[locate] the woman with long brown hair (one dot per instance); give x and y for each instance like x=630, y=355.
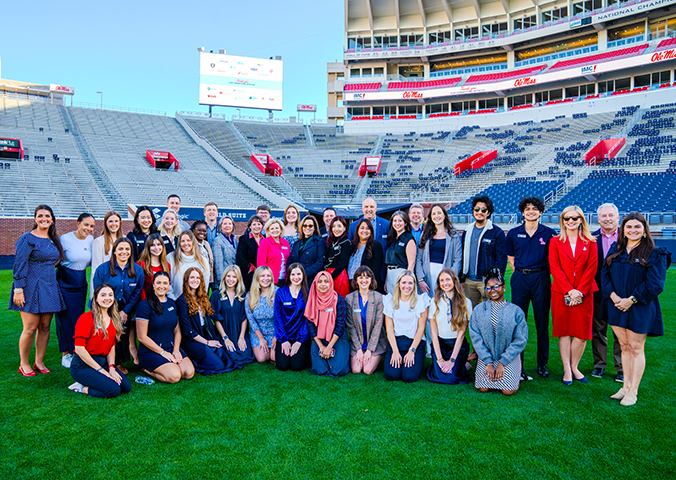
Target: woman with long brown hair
x=160, y=353
x=186, y=256
x=449, y=317
x=101, y=246
x=198, y=336
x=35, y=291
x=633, y=276
x=93, y=364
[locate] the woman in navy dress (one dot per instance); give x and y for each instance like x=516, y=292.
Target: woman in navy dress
x=93, y=366
x=35, y=292
x=160, y=353
x=259, y=308
x=198, y=336
x=326, y=313
x=291, y=331
x=449, y=315
x=144, y=226
x=230, y=318
x=126, y=278
x=633, y=276
x=310, y=248
x=72, y=278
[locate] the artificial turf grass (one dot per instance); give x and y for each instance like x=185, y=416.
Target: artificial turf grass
x=261, y=423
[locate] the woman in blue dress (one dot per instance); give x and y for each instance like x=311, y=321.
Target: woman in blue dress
x=126, y=278
x=160, y=353
x=35, y=292
x=198, y=336
x=632, y=277
x=291, y=331
x=230, y=318
x=449, y=315
x=326, y=313
x=260, y=312
x=224, y=248
x=72, y=278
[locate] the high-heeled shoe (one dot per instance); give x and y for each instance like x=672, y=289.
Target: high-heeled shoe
x=567, y=383
x=620, y=394
x=581, y=380
x=30, y=374
x=41, y=370
x=628, y=400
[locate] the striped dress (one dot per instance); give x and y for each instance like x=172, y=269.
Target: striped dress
x=512, y=370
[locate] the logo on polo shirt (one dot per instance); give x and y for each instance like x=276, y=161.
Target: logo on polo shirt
x=542, y=241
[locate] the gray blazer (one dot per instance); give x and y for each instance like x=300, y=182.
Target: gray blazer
x=509, y=340
x=452, y=259
x=375, y=320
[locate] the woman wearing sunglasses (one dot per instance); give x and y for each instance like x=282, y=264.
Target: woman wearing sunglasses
x=499, y=334
x=573, y=258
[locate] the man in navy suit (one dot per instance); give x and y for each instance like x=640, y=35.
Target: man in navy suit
x=608, y=217
x=380, y=225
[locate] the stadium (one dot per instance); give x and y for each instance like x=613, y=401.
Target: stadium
x=433, y=101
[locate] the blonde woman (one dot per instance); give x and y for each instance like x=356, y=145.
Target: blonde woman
x=274, y=250
x=405, y=318
x=102, y=246
x=449, y=317
x=259, y=308
x=187, y=255
x=169, y=229
x=230, y=317
x=93, y=365
x=291, y=224
x=573, y=258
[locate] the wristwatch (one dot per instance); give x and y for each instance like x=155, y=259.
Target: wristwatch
x=412, y=349
x=633, y=299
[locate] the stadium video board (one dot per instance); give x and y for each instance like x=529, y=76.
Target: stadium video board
x=231, y=81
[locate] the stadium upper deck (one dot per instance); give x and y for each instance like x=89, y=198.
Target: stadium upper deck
x=420, y=59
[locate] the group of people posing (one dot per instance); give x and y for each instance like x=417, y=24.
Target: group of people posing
x=338, y=298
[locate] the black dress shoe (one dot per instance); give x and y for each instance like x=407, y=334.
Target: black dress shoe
x=598, y=372
x=543, y=372
x=619, y=377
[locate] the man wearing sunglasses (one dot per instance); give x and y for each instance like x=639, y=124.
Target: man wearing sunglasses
x=483, y=248
x=527, y=249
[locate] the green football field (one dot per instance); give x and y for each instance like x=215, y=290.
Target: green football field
x=260, y=423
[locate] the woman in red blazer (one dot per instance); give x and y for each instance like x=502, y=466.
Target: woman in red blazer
x=573, y=260
x=274, y=251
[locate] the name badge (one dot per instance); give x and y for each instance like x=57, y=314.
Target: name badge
x=132, y=284
x=170, y=309
x=486, y=240
x=285, y=248
x=521, y=235
x=401, y=244
x=384, y=236
x=357, y=310
x=328, y=310
x=86, y=249
x=288, y=304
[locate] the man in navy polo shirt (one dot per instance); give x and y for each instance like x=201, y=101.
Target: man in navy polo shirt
x=527, y=249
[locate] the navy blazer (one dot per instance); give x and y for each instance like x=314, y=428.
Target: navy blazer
x=312, y=257
x=375, y=263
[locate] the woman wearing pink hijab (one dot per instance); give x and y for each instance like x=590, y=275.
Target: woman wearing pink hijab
x=326, y=313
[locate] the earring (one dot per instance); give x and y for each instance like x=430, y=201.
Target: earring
x=645, y=236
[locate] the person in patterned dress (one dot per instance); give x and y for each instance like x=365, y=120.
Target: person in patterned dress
x=499, y=334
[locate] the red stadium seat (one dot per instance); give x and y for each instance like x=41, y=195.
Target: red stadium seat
x=600, y=58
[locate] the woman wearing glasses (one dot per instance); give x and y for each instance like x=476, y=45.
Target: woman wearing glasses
x=499, y=334
x=309, y=249
x=573, y=258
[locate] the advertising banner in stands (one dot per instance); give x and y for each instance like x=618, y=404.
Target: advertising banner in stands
x=190, y=214
x=507, y=85
x=230, y=81
x=631, y=10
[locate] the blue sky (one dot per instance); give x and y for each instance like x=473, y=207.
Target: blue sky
x=143, y=54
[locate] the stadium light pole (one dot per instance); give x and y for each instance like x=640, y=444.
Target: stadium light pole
x=239, y=112
x=101, y=93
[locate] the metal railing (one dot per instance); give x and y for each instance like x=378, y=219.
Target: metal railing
x=98, y=106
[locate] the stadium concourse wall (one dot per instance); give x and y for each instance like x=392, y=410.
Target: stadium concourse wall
x=502, y=119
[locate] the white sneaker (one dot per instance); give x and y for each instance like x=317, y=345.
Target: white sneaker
x=66, y=360
x=76, y=387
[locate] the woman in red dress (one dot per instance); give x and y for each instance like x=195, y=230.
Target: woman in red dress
x=573, y=260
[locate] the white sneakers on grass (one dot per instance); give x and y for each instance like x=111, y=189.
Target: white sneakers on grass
x=76, y=387
x=66, y=360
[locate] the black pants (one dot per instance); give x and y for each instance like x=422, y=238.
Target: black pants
x=535, y=288
x=406, y=374
x=99, y=385
x=296, y=363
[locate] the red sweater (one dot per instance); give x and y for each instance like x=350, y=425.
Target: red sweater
x=87, y=336
x=148, y=281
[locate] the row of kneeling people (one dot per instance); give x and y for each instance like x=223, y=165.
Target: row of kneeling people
x=294, y=326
